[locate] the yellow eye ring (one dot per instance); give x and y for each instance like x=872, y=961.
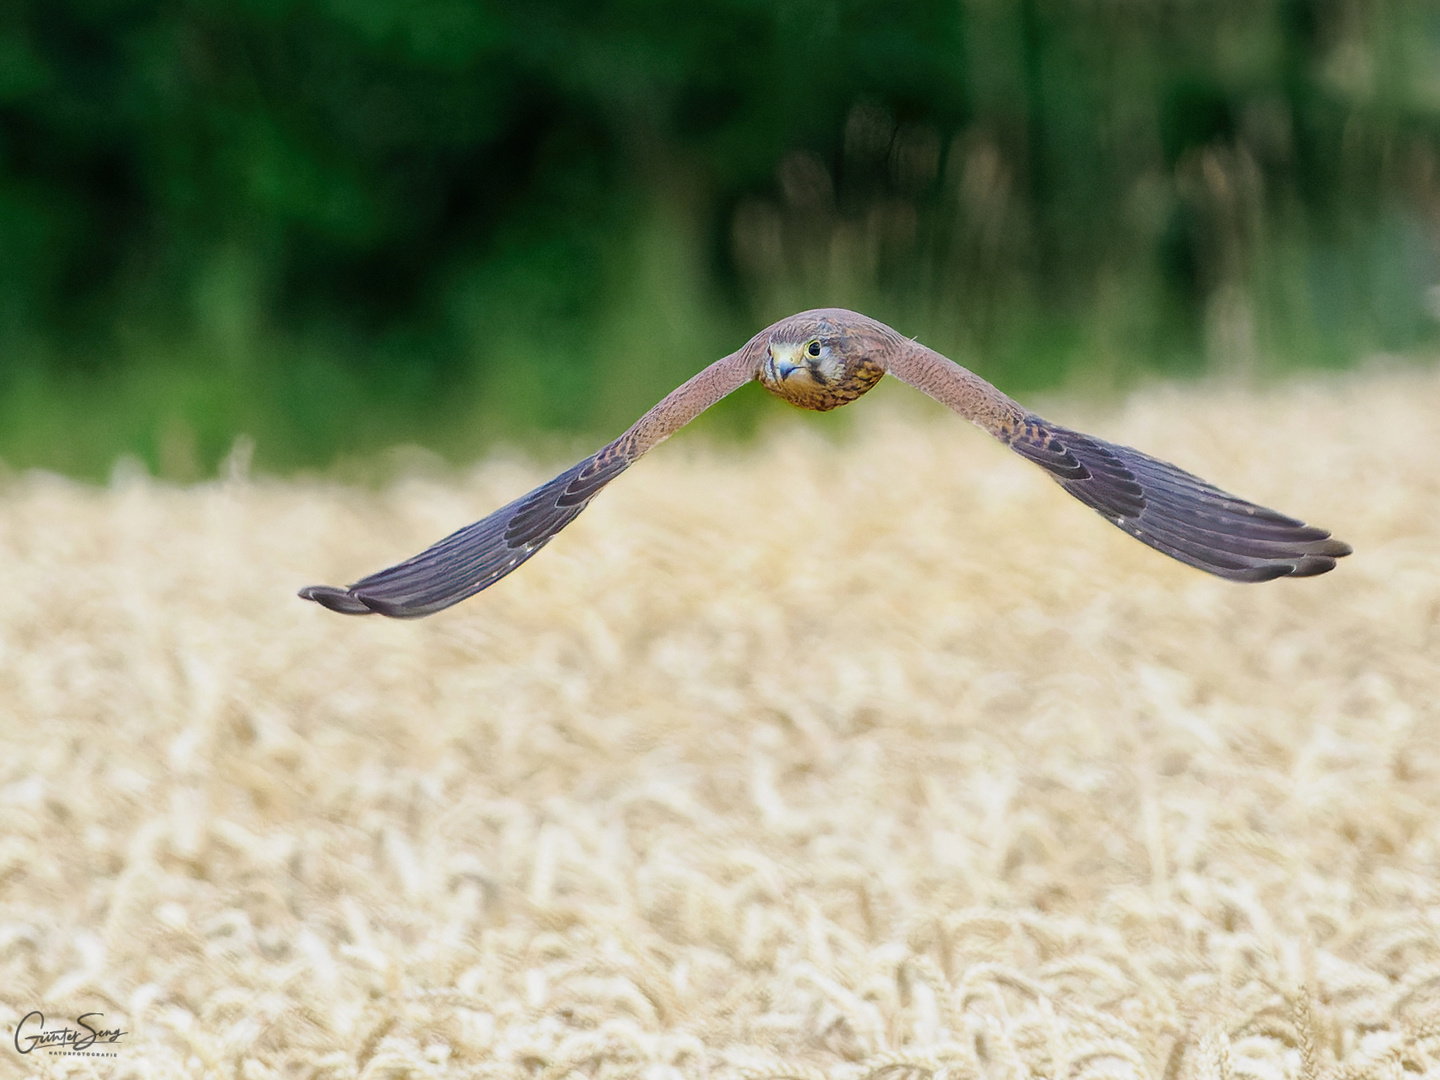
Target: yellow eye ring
x=813, y=348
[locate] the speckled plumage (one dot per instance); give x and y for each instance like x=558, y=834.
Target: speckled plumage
x=821, y=360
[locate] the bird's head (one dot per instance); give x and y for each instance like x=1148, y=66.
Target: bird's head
x=822, y=359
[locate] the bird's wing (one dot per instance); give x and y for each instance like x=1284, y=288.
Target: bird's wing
x=1166, y=507
x=481, y=554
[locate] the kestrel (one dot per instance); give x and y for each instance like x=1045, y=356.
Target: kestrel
x=827, y=358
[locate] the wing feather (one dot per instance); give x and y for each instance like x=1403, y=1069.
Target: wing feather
x=1157, y=503
x=1180, y=514
x=477, y=556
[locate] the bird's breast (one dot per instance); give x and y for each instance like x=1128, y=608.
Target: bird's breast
x=806, y=389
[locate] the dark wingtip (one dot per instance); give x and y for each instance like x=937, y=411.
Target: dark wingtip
x=397, y=609
x=1316, y=558
x=341, y=600
x=1253, y=574
x=1312, y=565
x=1319, y=557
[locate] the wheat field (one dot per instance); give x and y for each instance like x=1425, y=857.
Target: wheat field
x=829, y=756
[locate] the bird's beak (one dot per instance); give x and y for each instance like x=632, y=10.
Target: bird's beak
x=784, y=363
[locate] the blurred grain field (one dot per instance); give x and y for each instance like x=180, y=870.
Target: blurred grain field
x=830, y=757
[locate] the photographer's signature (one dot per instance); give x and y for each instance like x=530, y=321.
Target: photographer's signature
x=32, y=1034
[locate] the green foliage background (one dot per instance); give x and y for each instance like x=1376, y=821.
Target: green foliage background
x=335, y=225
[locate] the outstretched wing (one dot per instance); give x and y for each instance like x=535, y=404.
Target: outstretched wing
x=481, y=554
x=1164, y=506
x=478, y=555
x=1177, y=512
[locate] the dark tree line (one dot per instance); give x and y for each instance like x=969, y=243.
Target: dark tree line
x=284, y=215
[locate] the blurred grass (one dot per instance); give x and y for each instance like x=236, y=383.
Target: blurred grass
x=336, y=228
x=760, y=748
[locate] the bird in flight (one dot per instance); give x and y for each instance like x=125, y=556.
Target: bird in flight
x=827, y=358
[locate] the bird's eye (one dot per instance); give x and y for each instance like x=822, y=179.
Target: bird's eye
x=813, y=348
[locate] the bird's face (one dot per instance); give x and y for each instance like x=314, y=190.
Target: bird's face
x=816, y=362
x=817, y=367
